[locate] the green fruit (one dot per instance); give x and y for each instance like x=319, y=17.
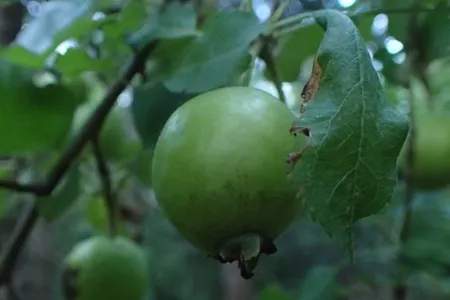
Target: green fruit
x=220, y=172
x=101, y=268
x=431, y=150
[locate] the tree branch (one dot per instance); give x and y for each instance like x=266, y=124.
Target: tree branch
x=109, y=197
x=15, y=243
x=294, y=20
x=12, y=250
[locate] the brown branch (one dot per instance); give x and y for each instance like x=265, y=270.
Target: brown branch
x=109, y=197
x=292, y=23
x=15, y=243
x=400, y=10
x=11, y=251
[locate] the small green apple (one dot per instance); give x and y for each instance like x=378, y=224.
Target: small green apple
x=431, y=152
x=103, y=268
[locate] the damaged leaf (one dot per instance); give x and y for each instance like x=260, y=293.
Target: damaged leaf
x=348, y=170
x=311, y=87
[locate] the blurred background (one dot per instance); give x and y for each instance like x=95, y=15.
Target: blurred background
x=308, y=264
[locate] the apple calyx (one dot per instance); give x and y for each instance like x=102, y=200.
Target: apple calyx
x=246, y=250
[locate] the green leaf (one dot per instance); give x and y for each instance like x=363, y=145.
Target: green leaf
x=215, y=57
x=76, y=61
x=151, y=107
x=97, y=214
x=434, y=33
x=33, y=118
x=57, y=21
x=19, y=55
x=274, y=292
x=175, y=20
x=318, y=284
x=66, y=193
x=168, y=53
x=141, y=167
x=130, y=17
x=294, y=48
x=348, y=170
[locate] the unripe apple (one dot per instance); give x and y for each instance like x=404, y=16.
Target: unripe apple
x=220, y=173
x=103, y=268
x=431, y=151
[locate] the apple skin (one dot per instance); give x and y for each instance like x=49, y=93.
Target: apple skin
x=220, y=171
x=431, y=150
x=103, y=268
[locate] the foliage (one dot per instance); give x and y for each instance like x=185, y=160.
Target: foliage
x=87, y=87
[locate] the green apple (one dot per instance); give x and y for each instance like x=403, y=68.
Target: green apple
x=103, y=268
x=220, y=172
x=431, y=151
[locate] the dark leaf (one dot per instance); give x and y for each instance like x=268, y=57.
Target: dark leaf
x=215, y=57
x=130, y=18
x=141, y=167
x=19, y=55
x=151, y=107
x=348, y=170
x=175, y=20
x=434, y=33
x=167, y=56
x=75, y=61
x=33, y=118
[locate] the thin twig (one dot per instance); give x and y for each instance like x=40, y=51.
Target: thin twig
x=109, y=197
x=294, y=20
x=11, y=252
x=15, y=244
